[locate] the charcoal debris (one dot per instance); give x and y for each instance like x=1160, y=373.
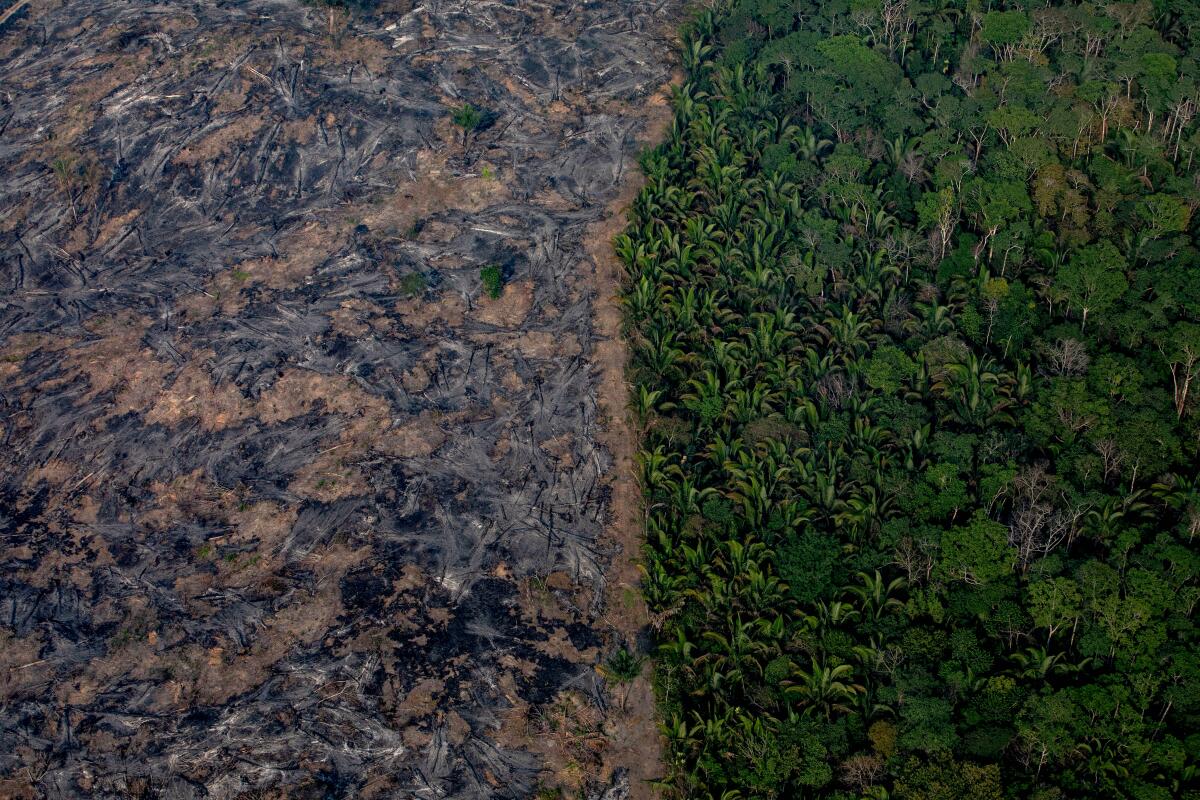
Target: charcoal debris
x=288, y=506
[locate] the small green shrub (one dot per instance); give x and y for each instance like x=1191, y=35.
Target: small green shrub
x=469, y=118
x=623, y=666
x=75, y=176
x=493, y=281
x=414, y=284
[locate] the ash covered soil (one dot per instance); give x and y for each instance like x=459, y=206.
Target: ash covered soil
x=288, y=506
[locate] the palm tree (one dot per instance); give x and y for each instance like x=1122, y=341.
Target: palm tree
x=466, y=116
x=876, y=596
x=657, y=470
x=622, y=668
x=661, y=586
x=695, y=55
x=825, y=690
x=733, y=656
x=1182, y=494
x=974, y=391
x=809, y=146
x=646, y=402
x=835, y=614
x=1038, y=663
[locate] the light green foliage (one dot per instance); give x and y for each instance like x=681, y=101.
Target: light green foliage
x=977, y=553
x=1054, y=603
x=1162, y=214
x=889, y=369
x=469, y=118
x=1093, y=280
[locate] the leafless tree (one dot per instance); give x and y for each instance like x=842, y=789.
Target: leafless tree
x=834, y=389
x=1111, y=457
x=1038, y=525
x=861, y=771
x=915, y=558
x=1067, y=357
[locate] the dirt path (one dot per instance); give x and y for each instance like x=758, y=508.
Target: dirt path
x=288, y=506
x=635, y=739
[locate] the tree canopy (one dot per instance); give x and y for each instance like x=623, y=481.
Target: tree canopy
x=914, y=300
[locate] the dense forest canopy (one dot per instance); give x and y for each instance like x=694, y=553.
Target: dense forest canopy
x=914, y=296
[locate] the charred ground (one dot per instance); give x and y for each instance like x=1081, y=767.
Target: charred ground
x=288, y=507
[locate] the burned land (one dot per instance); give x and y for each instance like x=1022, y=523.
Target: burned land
x=289, y=506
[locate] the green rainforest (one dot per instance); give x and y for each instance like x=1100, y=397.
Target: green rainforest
x=913, y=297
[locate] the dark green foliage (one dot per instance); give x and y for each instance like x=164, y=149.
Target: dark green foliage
x=806, y=562
x=914, y=300
x=493, y=280
x=623, y=666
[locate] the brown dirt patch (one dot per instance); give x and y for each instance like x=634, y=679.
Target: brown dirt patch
x=80, y=238
x=300, y=391
x=421, y=701
x=232, y=98
x=533, y=344
x=349, y=48
x=263, y=523
x=356, y=318
x=99, y=77
x=415, y=439
x=300, y=254
x=567, y=735
x=215, y=674
x=220, y=142
x=19, y=662
x=559, y=646
x=510, y=308
x=115, y=358
x=192, y=394
x=420, y=314
x=327, y=478
x=432, y=187
x=561, y=447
